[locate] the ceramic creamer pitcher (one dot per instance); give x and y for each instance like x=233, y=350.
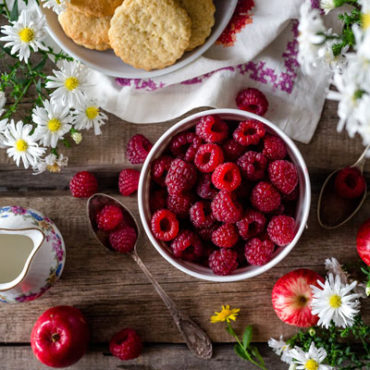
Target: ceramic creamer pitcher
x=32, y=254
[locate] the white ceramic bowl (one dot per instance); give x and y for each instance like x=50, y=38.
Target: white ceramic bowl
x=193, y=269
x=108, y=63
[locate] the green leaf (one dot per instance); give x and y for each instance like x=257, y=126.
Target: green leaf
x=257, y=355
x=14, y=12
x=247, y=336
x=239, y=351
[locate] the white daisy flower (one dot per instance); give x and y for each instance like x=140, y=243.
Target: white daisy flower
x=2, y=102
x=51, y=163
x=21, y=145
x=311, y=360
x=71, y=83
x=88, y=115
x=281, y=348
x=53, y=122
x=25, y=34
x=327, y=5
x=58, y=6
x=333, y=302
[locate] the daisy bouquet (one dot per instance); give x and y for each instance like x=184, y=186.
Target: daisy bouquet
x=345, y=55
x=62, y=107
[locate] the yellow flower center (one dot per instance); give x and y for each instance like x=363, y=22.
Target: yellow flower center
x=58, y=2
x=311, y=365
x=26, y=34
x=92, y=112
x=21, y=145
x=54, y=125
x=335, y=301
x=365, y=21
x=71, y=83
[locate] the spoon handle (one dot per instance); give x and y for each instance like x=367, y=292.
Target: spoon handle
x=361, y=161
x=196, y=339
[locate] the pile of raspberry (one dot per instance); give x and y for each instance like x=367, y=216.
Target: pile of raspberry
x=224, y=194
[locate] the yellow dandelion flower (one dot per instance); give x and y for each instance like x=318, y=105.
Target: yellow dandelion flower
x=226, y=314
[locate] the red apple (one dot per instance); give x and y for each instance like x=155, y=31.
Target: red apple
x=363, y=242
x=292, y=296
x=60, y=336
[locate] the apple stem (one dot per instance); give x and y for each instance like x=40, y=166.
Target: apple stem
x=55, y=337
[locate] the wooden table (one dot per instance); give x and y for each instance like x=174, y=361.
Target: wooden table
x=113, y=293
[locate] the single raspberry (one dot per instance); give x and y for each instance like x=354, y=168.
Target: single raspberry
x=205, y=188
x=208, y=157
x=350, y=183
x=225, y=236
x=128, y=181
x=201, y=214
x=182, y=143
x=193, y=148
x=274, y=148
x=252, y=224
x=180, y=203
x=206, y=234
x=223, y=261
x=181, y=176
x=159, y=169
x=126, y=344
x=164, y=225
x=109, y=217
x=83, y=185
x=123, y=240
x=249, y=132
x=281, y=230
x=258, y=252
x=212, y=129
x=226, y=176
x=138, y=149
x=157, y=199
x=225, y=207
x=265, y=197
x=187, y=246
x=232, y=150
x=252, y=100
x=283, y=175
x=252, y=165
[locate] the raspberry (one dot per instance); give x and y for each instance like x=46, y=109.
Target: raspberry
x=265, y=197
x=223, y=261
x=281, y=230
x=349, y=183
x=208, y=157
x=184, y=145
x=225, y=207
x=138, y=149
x=193, y=148
x=205, y=188
x=128, y=181
x=225, y=236
x=212, y=129
x=157, y=199
x=109, y=217
x=252, y=165
x=83, y=185
x=206, y=234
x=226, y=177
x=283, y=175
x=126, y=344
x=252, y=100
x=187, y=246
x=159, y=169
x=258, y=252
x=274, y=148
x=181, y=176
x=201, y=214
x=252, y=224
x=232, y=150
x=180, y=203
x=249, y=132
x=164, y=225
x=123, y=240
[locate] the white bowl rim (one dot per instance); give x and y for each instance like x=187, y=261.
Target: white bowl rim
x=260, y=269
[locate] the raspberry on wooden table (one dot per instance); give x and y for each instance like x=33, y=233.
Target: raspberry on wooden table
x=226, y=176
x=83, y=185
x=226, y=208
x=123, y=240
x=205, y=188
x=253, y=165
x=128, y=181
x=258, y=252
x=164, y=225
x=283, y=174
x=138, y=149
x=252, y=100
x=109, y=217
x=265, y=197
x=212, y=129
x=274, y=148
x=225, y=236
x=281, y=230
x=223, y=261
x=126, y=344
x=187, y=246
x=349, y=183
x=208, y=157
x=180, y=177
x=159, y=169
x=252, y=224
x=249, y=132
x=180, y=203
x=232, y=150
x=201, y=214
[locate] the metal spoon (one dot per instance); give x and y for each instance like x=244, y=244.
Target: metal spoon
x=196, y=339
x=333, y=211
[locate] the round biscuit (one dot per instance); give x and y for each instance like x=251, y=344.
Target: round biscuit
x=97, y=8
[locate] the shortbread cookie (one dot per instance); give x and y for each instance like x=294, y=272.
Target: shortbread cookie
x=150, y=34
x=88, y=31
x=201, y=13
x=97, y=8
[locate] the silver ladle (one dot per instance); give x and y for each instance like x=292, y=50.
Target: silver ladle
x=334, y=211
x=196, y=339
